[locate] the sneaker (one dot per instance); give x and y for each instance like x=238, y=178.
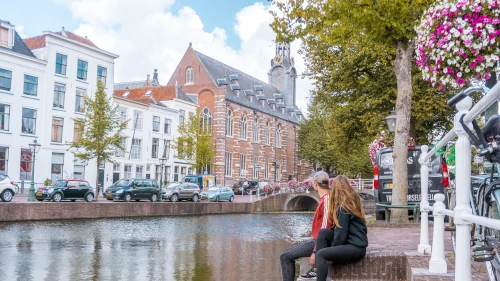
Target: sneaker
x=310, y=274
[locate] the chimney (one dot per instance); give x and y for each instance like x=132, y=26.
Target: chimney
x=63, y=32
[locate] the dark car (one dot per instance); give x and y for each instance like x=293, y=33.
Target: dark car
x=383, y=173
x=480, y=179
x=238, y=186
x=66, y=189
x=133, y=189
x=184, y=191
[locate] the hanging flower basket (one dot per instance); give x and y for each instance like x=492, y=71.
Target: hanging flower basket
x=293, y=185
x=456, y=41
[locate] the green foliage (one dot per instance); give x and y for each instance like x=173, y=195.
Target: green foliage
x=194, y=143
x=100, y=129
x=47, y=182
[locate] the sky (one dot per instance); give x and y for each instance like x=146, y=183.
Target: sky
x=154, y=34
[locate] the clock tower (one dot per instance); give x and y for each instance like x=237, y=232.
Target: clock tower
x=283, y=74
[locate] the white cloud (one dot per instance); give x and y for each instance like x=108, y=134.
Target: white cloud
x=152, y=36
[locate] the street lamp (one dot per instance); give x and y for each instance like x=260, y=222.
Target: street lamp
x=163, y=162
x=34, y=148
x=391, y=121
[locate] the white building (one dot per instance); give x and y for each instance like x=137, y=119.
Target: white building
x=154, y=114
x=48, y=77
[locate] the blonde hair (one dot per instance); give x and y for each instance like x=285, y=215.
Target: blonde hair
x=343, y=195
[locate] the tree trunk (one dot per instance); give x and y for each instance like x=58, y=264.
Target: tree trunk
x=402, y=69
x=97, y=180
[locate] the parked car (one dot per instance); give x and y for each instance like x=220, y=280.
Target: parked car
x=185, y=191
x=7, y=188
x=169, y=186
x=133, y=189
x=383, y=177
x=238, y=186
x=66, y=189
x=204, y=182
x=218, y=193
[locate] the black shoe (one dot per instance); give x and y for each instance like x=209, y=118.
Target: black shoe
x=310, y=274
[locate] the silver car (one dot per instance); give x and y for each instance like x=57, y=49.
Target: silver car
x=185, y=191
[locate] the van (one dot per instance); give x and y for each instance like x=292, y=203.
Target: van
x=383, y=177
x=204, y=182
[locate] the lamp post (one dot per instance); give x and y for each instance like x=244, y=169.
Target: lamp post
x=391, y=121
x=34, y=148
x=163, y=162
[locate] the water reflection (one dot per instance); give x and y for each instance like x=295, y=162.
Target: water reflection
x=215, y=247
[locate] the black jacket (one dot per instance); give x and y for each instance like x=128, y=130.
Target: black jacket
x=352, y=231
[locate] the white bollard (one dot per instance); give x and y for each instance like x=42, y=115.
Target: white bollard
x=438, y=261
x=463, y=176
x=424, y=247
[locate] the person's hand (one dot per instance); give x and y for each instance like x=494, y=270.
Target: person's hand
x=312, y=260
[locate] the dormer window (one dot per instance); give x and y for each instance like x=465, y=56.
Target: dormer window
x=125, y=94
x=6, y=35
x=148, y=93
x=189, y=75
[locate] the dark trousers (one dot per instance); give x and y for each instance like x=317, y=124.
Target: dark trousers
x=340, y=254
x=289, y=256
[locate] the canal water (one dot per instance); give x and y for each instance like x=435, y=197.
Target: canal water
x=196, y=248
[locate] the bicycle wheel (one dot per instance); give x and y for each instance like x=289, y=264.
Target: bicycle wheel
x=491, y=236
x=17, y=188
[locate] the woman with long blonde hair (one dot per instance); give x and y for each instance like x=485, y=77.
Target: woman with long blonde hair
x=348, y=240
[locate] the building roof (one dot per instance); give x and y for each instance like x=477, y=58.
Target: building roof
x=19, y=45
x=39, y=41
x=129, y=85
x=236, y=80
x=158, y=93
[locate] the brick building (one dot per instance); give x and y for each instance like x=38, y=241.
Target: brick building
x=254, y=123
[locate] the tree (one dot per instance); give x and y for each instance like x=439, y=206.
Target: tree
x=385, y=24
x=99, y=131
x=195, y=142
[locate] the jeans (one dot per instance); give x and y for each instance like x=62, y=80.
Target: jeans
x=340, y=254
x=289, y=256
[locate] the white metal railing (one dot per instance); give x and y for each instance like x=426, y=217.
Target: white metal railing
x=361, y=183
x=462, y=213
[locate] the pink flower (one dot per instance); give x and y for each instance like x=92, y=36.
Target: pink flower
x=460, y=81
x=495, y=21
x=473, y=64
x=487, y=75
x=479, y=58
x=467, y=42
x=491, y=36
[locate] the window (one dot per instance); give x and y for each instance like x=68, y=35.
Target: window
x=25, y=164
x=243, y=165
x=176, y=173
x=29, y=121
x=127, y=171
x=82, y=70
x=79, y=170
x=266, y=168
x=57, y=166
x=183, y=172
x=57, y=129
x=206, y=122
x=123, y=114
x=30, y=85
x=256, y=130
x=243, y=131
x=255, y=169
x=59, y=90
x=158, y=173
x=155, y=148
x=80, y=102
x=123, y=142
x=137, y=120
x=4, y=37
x=102, y=73
x=229, y=124
x=77, y=133
x=278, y=135
x=181, y=116
x=138, y=171
x=229, y=164
x=61, y=62
x=267, y=135
x=166, y=149
x=136, y=149
x=5, y=79
x=4, y=160
x=4, y=117
x=156, y=123
x=189, y=75
x=168, y=126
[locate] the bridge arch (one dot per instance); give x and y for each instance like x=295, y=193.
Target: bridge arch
x=301, y=202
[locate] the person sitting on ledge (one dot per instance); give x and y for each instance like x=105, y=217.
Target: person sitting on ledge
x=347, y=242
x=320, y=220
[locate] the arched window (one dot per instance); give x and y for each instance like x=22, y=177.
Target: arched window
x=256, y=130
x=278, y=136
x=189, y=75
x=267, y=135
x=243, y=131
x=229, y=123
x=206, y=121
